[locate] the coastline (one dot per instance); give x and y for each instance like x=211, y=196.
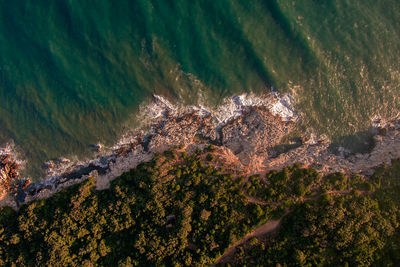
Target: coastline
x=246, y=130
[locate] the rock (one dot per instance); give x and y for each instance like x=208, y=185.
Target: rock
x=382, y=131
x=246, y=146
x=257, y=131
x=98, y=147
x=181, y=130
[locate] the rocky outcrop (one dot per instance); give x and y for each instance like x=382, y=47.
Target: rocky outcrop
x=181, y=130
x=254, y=134
x=318, y=156
x=245, y=145
x=11, y=185
x=8, y=173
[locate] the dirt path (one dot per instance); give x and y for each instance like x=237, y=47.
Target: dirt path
x=264, y=229
x=256, y=201
x=260, y=202
x=269, y=226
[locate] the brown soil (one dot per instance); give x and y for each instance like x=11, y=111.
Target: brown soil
x=264, y=229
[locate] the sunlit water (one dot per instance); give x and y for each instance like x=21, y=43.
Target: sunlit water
x=74, y=73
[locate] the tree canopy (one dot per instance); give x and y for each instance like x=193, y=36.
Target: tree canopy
x=180, y=210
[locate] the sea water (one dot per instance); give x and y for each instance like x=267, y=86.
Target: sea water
x=78, y=73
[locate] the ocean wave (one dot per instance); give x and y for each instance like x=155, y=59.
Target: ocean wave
x=230, y=107
x=160, y=108
x=134, y=148
x=10, y=149
x=234, y=106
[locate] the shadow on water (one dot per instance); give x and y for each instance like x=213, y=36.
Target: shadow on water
x=361, y=142
x=345, y=146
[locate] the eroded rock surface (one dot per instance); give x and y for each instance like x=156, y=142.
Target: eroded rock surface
x=10, y=184
x=245, y=145
x=183, y=130
x=318, y=156
x=254, y=134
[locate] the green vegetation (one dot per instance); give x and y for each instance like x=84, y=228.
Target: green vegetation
x=286, y=187
x=170, y=211
x=179, y=210
x=357, y=227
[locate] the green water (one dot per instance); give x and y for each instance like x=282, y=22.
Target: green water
x=73, y=73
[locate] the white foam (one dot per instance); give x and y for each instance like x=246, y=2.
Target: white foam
x=379, y=122
x=230, y=108
x=7, y=150
x=233, y=107
x=156, y=108
x=284, y=107
x=149, y=113
x=164, y=103
x=10, y=150
x=201, y=111
x=127, y=138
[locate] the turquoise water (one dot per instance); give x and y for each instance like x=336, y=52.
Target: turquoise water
x=73, y=73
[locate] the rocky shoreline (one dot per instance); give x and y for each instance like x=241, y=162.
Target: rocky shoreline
x=248, y=143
